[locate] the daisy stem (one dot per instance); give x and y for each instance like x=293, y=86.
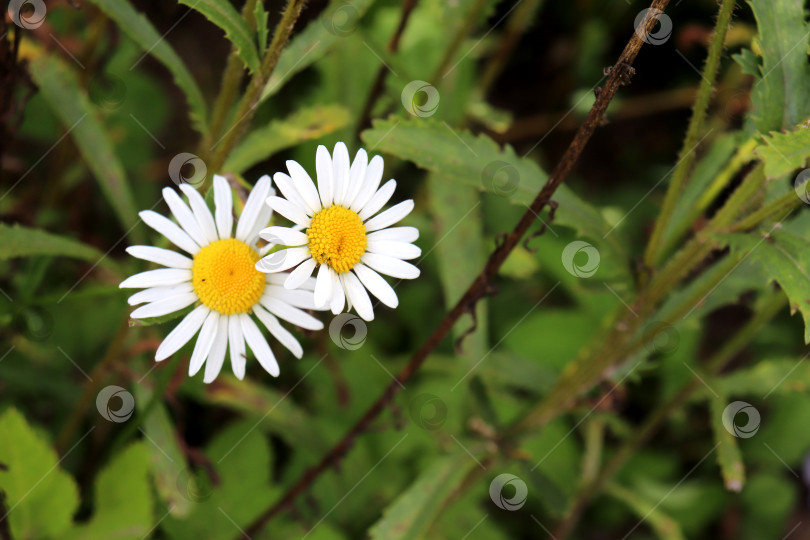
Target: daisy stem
x=231, y=79
x=680, y=176
x=250, y=101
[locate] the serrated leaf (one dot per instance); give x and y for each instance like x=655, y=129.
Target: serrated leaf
x=141, y=31
x=40, y=498
x=779, y=97
x=479, y=161
x=338, y=20
x=301, y=126
x=19, y=241
x=224, y=15
x=786, y=258
x=784, y=152
x=261, y=26
x=123, y=499
x=69, y=102
x=412, y=513
x=728, y=453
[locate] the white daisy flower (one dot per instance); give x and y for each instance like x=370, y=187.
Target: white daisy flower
x=220, y=276
x=338, y=233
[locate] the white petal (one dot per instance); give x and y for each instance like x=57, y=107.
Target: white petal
x=376, y=285
x=323, y=286
x=182, y=213
x=284, y=236
x=217, y=355
x=170, y=230
x=236, y=344
x=291, y=314
x=399, y=250
x=287, y=188
x=298, y=276
x=182, y=333
x=165, y=306
x=286, y=208
x=283, y=259
x=156, y=293
x=323, y=167
x=223, y=204
x=299, y=298
x=204, y=342
x=356, y=176
x=390, y=266
x=258, y=345
x=338, y=300
x=304, y=187
x=164, y=257
x=201, y=212
x=378, y=200
x=156, y=278
x=358, y=296
x=371, y=182
x=254, y=210
x=279, y=332
x=390, y=216
x=340, y=168
x=396, y=234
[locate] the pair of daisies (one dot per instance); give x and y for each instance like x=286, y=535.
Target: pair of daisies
x=339, y=235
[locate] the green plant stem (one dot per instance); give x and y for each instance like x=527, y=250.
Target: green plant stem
x=768, y=308
x=466, y=27
x=231, y=79
x=686, y=158
x=250, y=101
x=780, y=208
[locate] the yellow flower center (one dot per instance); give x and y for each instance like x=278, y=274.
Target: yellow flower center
x=225, y=278
x=337, y=237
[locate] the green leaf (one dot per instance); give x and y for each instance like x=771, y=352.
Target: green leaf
x=779, y=97
x=478, y=161
x=786, y=258
x=141, y=31
x=301, y=126
x=412, y=513
x=665, y=527
x=728, y=453
x=19, y=241
x=784, y=152
x=261, y=26
x=40, y=498
x=242, y=491
x=338, y=20
x=224, y=15
x=777, y=376
x=69, y=102
x=123, y=499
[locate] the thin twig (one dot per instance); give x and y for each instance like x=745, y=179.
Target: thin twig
x=619, y=76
